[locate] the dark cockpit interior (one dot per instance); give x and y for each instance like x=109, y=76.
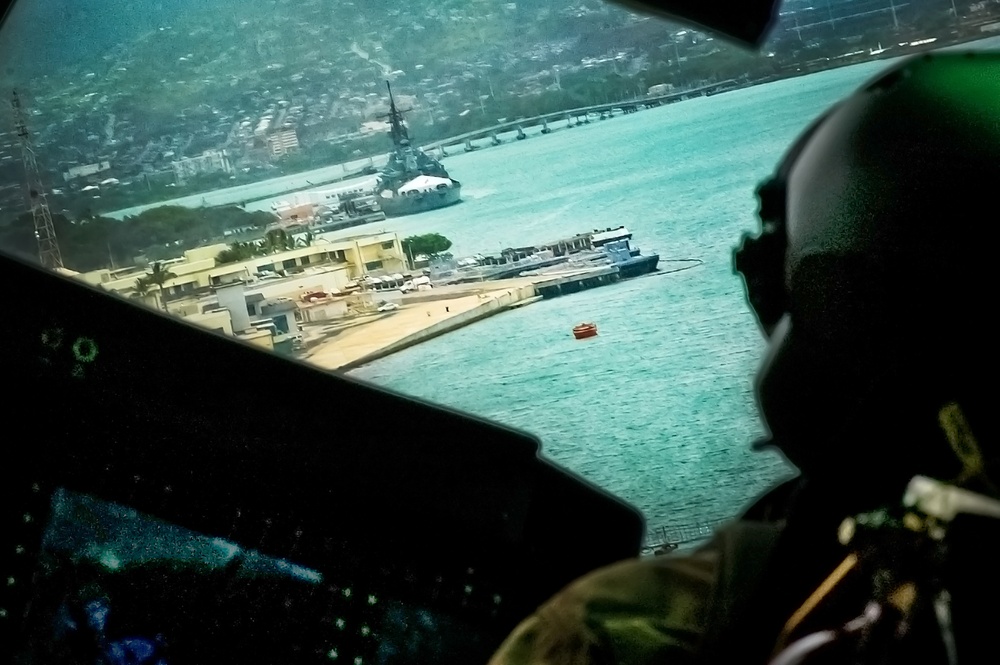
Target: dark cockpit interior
x=440, y=515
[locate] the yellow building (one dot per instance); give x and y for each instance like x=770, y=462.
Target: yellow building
x=219, y=320
x=198, y=271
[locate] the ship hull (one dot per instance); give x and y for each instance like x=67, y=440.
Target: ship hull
x=398, y=206
x=636, y=266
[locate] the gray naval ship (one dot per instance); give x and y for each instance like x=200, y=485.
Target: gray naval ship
x=412, y=181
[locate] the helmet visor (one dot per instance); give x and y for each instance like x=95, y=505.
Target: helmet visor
x=760, y=259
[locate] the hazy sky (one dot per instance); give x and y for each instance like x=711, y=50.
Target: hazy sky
x=43, y=34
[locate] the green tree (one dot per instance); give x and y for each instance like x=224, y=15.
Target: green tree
x=91, y=242
x=430, y=244
x=159, y=275
x=238, y=251
x=277, y=240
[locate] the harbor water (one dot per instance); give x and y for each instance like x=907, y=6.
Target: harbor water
x=658, y=408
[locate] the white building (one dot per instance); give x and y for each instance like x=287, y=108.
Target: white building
x=85, y=170
x=283, y=142
x=210, y=161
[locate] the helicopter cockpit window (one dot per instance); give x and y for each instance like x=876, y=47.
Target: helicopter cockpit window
x=259, y=168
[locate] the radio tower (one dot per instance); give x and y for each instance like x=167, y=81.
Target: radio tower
x=48, y=247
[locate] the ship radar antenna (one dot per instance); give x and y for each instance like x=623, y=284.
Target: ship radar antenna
x=48, y=248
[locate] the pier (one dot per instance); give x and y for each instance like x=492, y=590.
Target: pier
x=579, y=116
x=456, y=303
x=429, y=314
x=577, y=281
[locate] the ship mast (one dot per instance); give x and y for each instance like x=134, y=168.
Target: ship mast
x=398, y=129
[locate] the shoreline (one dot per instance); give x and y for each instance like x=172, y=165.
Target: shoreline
x=491, y=306
x=427, y=315
x=347, y=171
x=421, y=317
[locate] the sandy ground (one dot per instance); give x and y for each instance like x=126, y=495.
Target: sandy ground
x=348, y=341
x=378, y=332
x=458, y=290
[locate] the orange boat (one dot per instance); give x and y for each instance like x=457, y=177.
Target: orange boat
x=585, y=330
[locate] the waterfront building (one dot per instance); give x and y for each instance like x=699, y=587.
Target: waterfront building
x=265, y=299
x=198, y=271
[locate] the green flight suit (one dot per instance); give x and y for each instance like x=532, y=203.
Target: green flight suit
x=638, y=612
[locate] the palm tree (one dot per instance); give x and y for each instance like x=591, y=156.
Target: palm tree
x=277, y=240
x=141, y=287
x=159, y=275
x=238, y=251
x=143, y=290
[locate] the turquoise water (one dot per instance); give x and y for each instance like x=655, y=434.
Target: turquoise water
x=658, y=408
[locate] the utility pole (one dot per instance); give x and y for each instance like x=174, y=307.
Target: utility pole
x=48, y=247
x=895, y=20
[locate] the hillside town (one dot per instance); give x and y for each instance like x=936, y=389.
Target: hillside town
x=189, y=108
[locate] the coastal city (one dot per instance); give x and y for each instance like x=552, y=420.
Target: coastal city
x=184, y=108
x=340, y=301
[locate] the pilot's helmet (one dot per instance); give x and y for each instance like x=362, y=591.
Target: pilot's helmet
x=874, y=274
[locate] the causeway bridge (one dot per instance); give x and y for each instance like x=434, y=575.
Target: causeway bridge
x=578, y=116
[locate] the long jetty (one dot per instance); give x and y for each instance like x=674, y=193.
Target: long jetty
x=571, y=116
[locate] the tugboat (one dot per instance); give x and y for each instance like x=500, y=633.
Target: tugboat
x=412, y=181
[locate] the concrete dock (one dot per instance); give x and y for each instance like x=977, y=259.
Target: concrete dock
x=576, y=281
x=421, y=317
x=487, y=305
x=425, y=315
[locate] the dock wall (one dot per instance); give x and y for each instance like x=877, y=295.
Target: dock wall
x=494, y=304
x=432, y=296
x=577, y=282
